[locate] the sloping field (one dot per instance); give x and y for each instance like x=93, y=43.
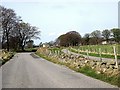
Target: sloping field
x=107, y=49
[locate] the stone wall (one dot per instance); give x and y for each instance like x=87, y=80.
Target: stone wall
x=108, y=68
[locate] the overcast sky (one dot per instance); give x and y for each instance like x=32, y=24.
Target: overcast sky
x=56, y=17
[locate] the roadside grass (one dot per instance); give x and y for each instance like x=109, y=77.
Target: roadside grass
x=96, y=55
x=28, y=50
x=114, y=80
x=49, y=59
x=86, y=70
x=31, y=50
x=7, y=56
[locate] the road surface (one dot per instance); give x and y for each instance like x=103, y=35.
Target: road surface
x=25, y=71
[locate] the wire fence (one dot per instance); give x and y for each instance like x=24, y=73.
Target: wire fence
x=105, y=49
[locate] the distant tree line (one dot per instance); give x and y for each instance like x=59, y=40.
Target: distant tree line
x=97, y=37
x=73, y=38
x=15, y=32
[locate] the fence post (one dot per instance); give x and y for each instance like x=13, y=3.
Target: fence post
x=100, y=54
x=58, y=52
x=115, y=53
x=87, y=54
x=45, y=50
x=50, y=52
x=67, y=51
x=55, y=52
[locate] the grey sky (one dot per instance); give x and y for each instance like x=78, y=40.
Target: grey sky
x=56, y=17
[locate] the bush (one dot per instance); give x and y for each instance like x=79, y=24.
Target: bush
x=6, y=56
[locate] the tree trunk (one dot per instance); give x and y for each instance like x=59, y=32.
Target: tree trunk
x=7, y=42
x=22, y=47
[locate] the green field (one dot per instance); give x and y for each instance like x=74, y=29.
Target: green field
x=107, y=51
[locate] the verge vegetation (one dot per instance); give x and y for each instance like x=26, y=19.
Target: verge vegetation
x=5, y=56
x=28, y=50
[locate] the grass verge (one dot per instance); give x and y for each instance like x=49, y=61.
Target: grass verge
x=7, y=57
x=92, y=73
x=27, y=50
x=49, y=59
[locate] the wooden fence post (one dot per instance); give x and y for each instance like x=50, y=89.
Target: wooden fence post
x=45, y=50
x=58, y=52
x=67, y=51
x=87, y=54
x=55, y=52
x=50, y=52
x=100, y=54
x=115, y=53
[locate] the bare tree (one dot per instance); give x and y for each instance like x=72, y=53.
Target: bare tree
x=116, y=34
x=96, y=35
x=8, y=17
x=106, y=34
x=87, y=38
x=27, y=32
x=14, y=29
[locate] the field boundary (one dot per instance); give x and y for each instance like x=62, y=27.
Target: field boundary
x=90, y=57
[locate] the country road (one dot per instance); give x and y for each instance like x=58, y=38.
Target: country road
x=25, y=71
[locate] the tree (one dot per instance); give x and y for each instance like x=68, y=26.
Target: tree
x=62, y=40
x=8, y=18
x=86, y=38
x=41, y=44
x=15, y=30
x=106, y=34
x=30, y=44
x=14, y=42
x=26, y=32
x=116, y=34
x=0, y=37
x=71, y=38
x=51, y=43
x=96, y=35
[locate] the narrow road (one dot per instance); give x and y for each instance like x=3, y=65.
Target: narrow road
x=25, y=71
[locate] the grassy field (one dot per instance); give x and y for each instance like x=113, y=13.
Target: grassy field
x=106, y=50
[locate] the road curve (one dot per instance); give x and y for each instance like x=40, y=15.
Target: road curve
x=25, y=71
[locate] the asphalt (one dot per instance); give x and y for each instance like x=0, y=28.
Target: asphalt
x=27, y=71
